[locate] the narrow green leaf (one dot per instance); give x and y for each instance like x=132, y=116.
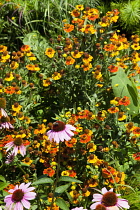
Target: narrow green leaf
x=3, y=185
x=69, y=179
x=61, y=203
x=43, y=181
x=0, y=155
x=62, y=188
x=2, y=178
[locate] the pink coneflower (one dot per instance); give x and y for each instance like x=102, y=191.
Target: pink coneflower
x=3, y=112
x=18, y=146
x=19, y=196
x=6, y=125
x=109, y=199
x=10, y=157
x=61, y=131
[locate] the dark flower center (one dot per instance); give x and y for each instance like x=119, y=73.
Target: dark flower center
x=109, y=199
x=2, y=103
x=18, y=141
x=17, y=195
x=58, y=126
x=100, y=207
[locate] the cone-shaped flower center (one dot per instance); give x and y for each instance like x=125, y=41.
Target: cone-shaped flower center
x=58, y=126
x=100, y=207
x=5, y=119
x=18, y=141
x=109, y=199
x=2, y=103
x=17, y=195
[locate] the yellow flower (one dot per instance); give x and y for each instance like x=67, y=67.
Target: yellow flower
x=16, y=107
x=56, y=76
x=65, y=173
x=14, y=65
x=50, y=52
x=47, y=82
x=27, y=161
x=27, y=120
x=9, y=76
x=79, y=7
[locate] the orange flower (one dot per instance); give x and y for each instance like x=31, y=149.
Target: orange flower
x=113, y=110
x=5, y=140
x=88, y=29
x=41, y=129
x=75, y=13
x=112, y=68
x=3, y=48
x=136, y=131
x=68, y=27
x=136, y=156
x=25, y=48
x=72, y=173
x=108, y=172
x=49, y=171
x=109, y=47
x=86, y=66
x=124, y=101
x=71, y=142
x=46, y=82
x=70, y=60
x=9, y=90
x=84, y=138
x=50, y=52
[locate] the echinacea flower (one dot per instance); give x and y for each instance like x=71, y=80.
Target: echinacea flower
x=3, y=113
x=109, y=199
x=61, y=131
x=19, y=196
x=10, y=157
x=18, y=146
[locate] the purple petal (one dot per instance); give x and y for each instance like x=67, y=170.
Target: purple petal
x=97, y=197
x=25, y=203
x=93, y=206
x=18, y=206
x=123, y=203
x=29, y=195
x=70, y=127
x=15, y=150
x=104, y=190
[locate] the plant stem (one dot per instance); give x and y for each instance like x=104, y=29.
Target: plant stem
x=57, y=177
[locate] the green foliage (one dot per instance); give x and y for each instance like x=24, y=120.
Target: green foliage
x=129, y=15
x=122, y=86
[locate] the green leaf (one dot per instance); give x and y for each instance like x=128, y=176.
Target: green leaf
x=62, y=188
x=35, y=41
x=61, y=203
x=0, y=155
x=3, y=185
x=2, y=178
x=43, y=181
x=125, y=88
x=69, y=179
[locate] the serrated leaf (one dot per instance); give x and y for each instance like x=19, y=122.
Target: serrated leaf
x=43, y=181
x=61, y=203
x=62, y=188
x=125, y=88
x=69, y=179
